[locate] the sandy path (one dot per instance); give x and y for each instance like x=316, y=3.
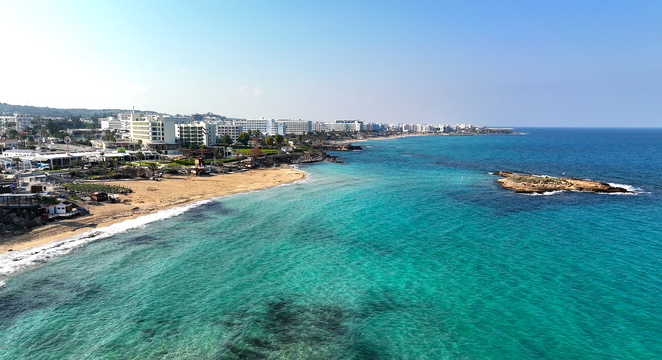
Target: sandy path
x=150, y=196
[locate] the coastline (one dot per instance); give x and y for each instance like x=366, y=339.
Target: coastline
x=388, y=137
x=149, y=197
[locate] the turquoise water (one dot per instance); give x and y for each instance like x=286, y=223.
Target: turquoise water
x=407, y=251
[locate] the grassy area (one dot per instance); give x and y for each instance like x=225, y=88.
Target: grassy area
x=47, y=200
x=246, y=151
x=96, y=187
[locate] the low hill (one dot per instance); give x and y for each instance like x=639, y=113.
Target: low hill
x=8, y=109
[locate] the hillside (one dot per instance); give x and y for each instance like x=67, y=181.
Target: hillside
x=8, y=109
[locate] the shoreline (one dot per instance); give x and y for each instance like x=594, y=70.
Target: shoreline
x=388, y=137
x=149, y=197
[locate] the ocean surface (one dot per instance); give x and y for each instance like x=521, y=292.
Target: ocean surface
x=409, y=250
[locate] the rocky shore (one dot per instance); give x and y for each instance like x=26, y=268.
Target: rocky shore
x=529, y=184
x=337, y=147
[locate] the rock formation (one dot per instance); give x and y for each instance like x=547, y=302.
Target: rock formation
x=529, y=184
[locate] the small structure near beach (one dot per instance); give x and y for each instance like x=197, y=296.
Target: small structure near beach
x=99, y=196
x=63, y=207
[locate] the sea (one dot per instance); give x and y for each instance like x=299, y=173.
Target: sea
x=408, y=250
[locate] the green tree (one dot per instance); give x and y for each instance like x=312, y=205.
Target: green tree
x=140, y=156
x=279, y=139
x=76, y=123
x=152, y=167
x=269, y=141
x=226, y=139
x=77, y=163
x=244, y=137
x=12, y=134
x=110, y=135
x=51, y=127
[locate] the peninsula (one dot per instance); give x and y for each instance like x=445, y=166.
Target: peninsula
x=530, y=184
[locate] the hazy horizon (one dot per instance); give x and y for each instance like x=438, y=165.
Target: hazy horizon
x=520, y=64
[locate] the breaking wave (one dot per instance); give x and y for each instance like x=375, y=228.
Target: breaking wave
x=631, y=188
x=18, y=260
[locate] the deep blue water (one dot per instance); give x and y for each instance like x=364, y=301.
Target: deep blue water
x=410, y=250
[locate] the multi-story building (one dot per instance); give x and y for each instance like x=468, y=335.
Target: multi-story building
x=319, y=126
x=111, y=123
x=345, y=125
x=296, y=126
x=265, y=126
x=198, y=133
x=422, y=128
x=22, y=121
x=175, y=119
x=153, y=133
x=227, y=127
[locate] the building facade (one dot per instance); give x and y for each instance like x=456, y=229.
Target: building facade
x=22, y=121
x=198, y=133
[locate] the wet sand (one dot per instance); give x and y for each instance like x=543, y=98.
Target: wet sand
x=149, y=196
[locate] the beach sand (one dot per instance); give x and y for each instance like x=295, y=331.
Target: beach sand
x=149, y=196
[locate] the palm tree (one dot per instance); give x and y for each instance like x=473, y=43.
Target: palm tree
x=139, y=156
x=152, y=167
x=18, y=161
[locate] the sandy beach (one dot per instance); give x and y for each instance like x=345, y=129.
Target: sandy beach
x=149, y=196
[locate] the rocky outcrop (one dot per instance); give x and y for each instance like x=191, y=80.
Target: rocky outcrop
x=337, y=147
x=529, y=184
x=17, y=221
x=297, y=158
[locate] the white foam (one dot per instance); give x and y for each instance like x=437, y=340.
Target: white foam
x=18, y=260
x=630, y=188
x=547, y=193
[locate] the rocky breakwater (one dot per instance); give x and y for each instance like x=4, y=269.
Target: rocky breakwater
x=529, y=184
x=297, y=158
x=314, y=157
x=337, y=147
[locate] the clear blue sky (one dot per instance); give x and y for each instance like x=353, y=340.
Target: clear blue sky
x=494, y=63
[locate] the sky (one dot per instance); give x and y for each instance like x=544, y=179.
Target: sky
x=487, y=63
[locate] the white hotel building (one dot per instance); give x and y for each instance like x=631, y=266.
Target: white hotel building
x=199, y=133
x=22, y=121
x=154, y=133
x=296, y=126
x=268, y=127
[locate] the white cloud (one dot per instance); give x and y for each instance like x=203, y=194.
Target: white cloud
x=256, y=92
x=183, y=70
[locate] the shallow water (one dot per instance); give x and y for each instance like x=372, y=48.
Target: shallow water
x=409, y=250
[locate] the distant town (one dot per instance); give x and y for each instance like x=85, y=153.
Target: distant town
x=166, y=134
